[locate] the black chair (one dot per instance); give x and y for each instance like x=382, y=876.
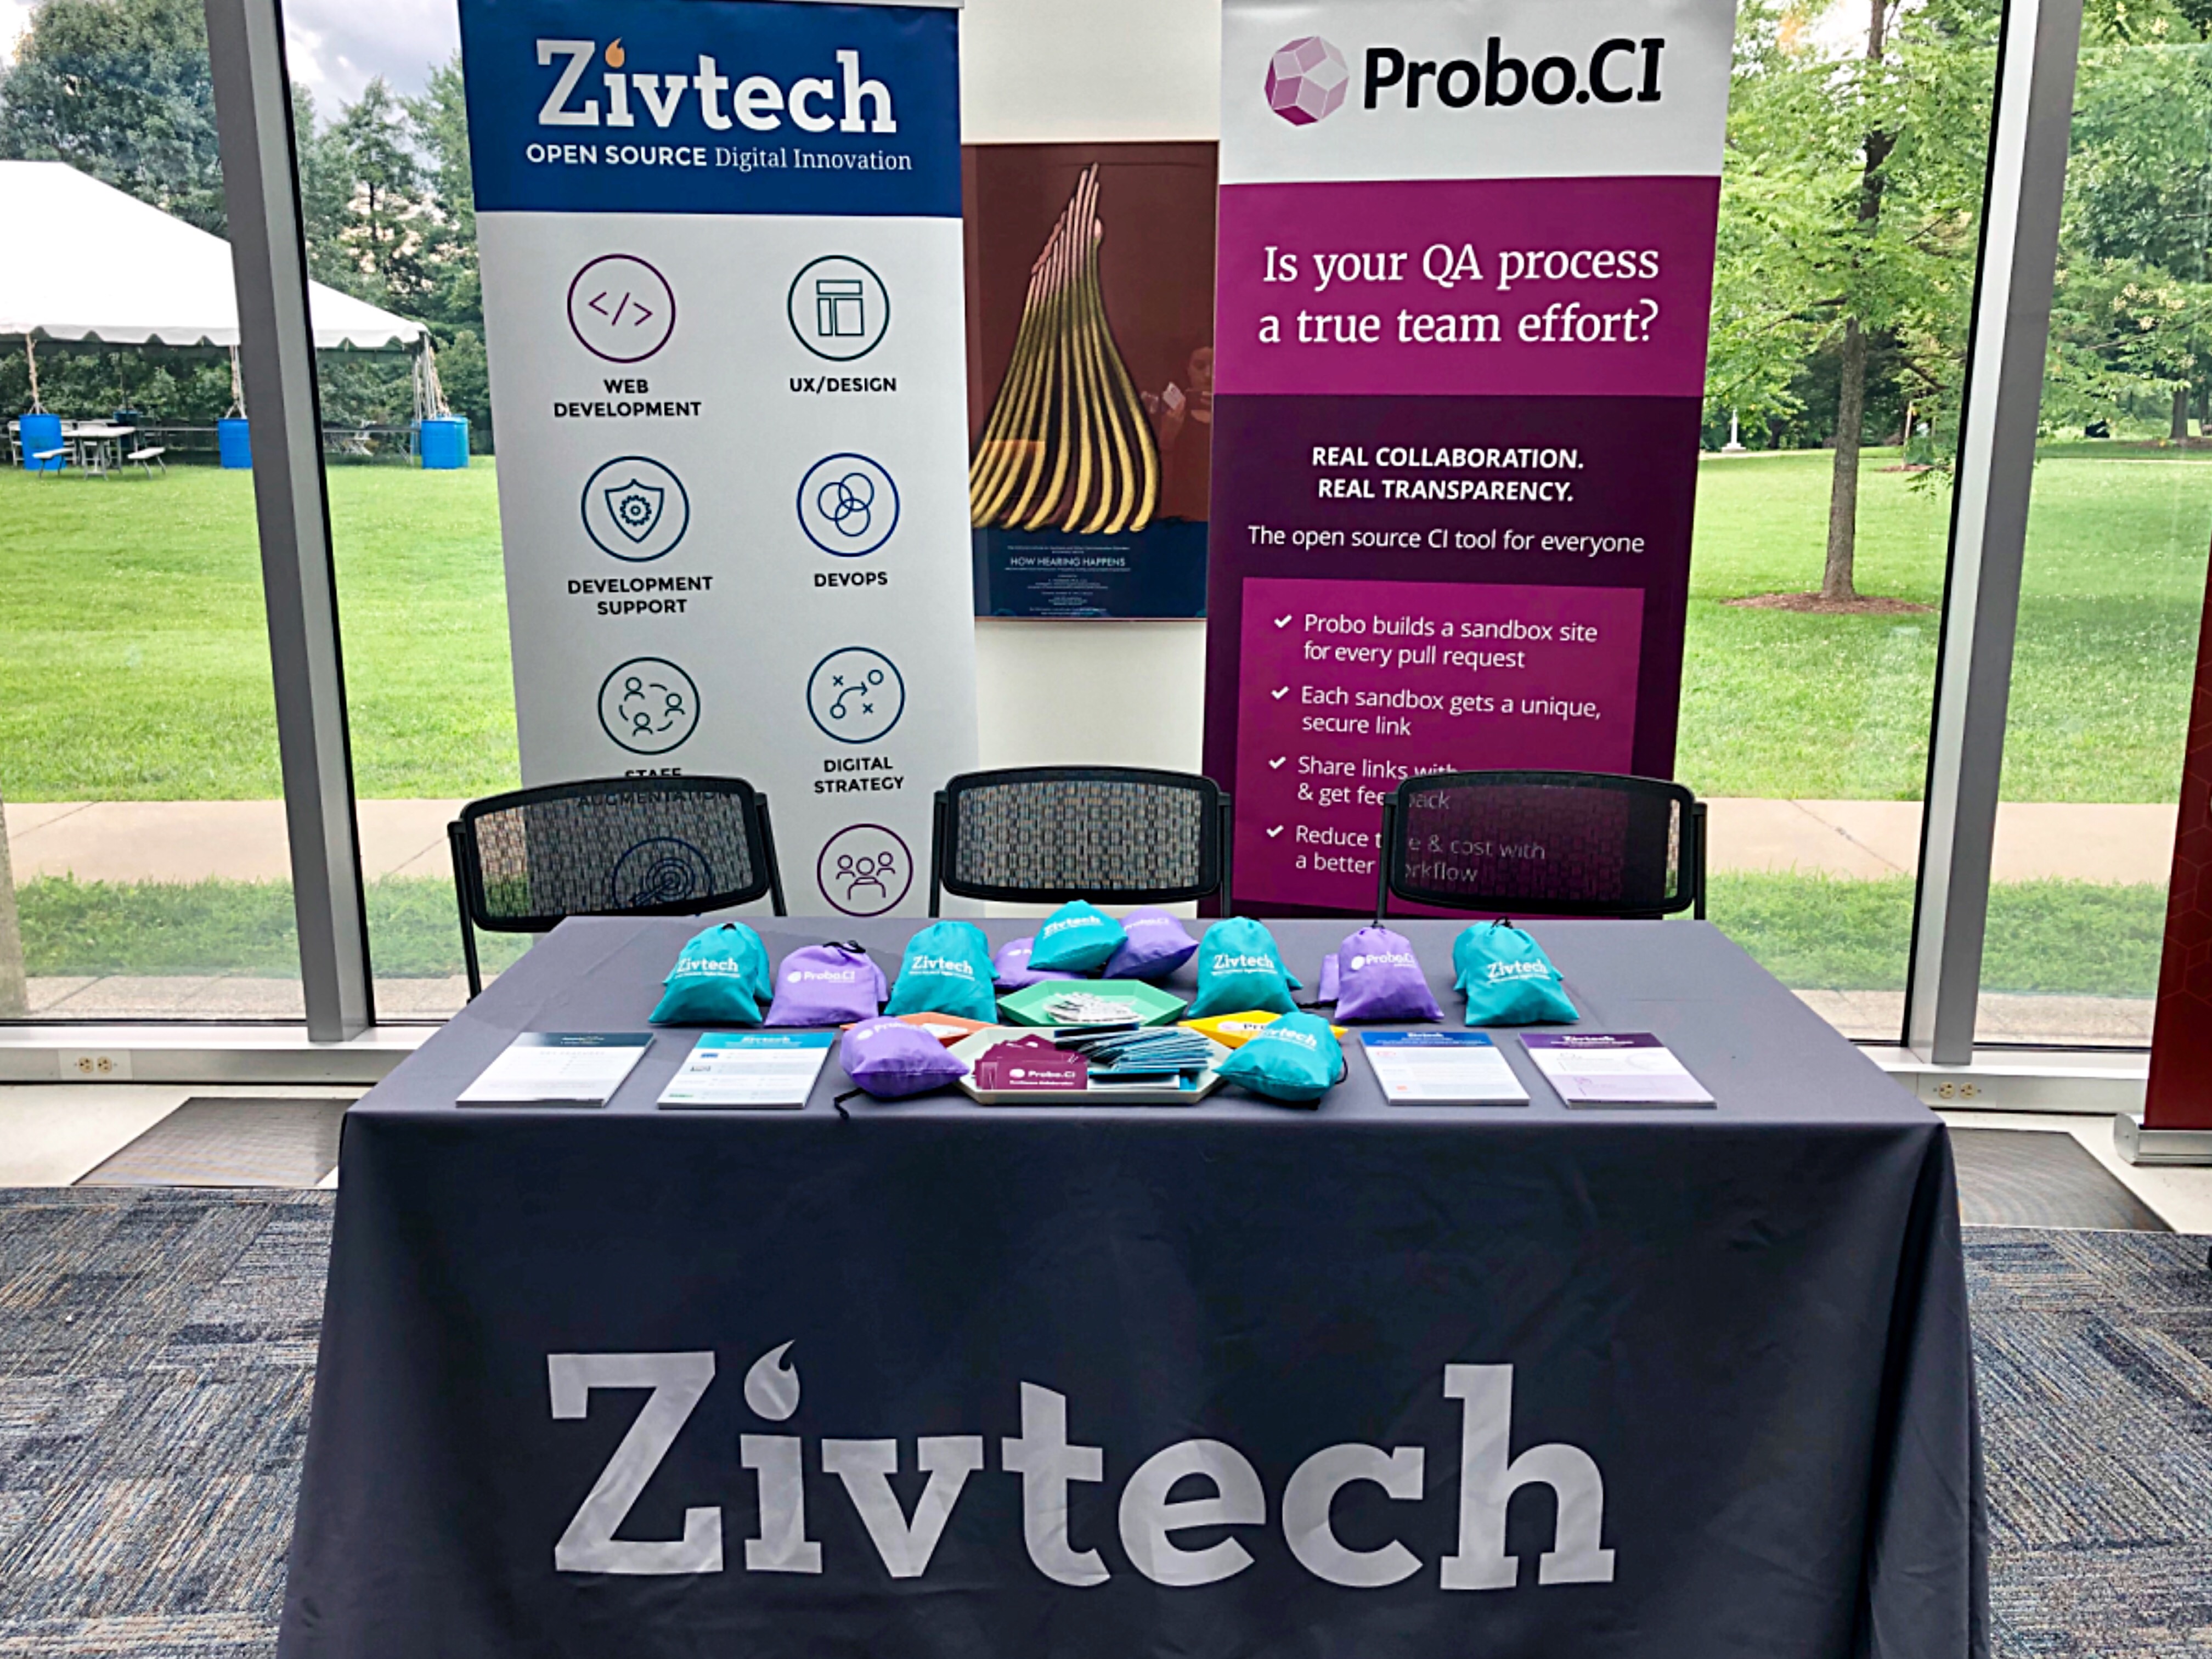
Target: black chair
x=1114, y=835
x=1543, y=844
x=647, y=847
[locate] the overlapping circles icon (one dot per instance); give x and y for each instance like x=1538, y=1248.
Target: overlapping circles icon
x=849, y=502
x=849, y=505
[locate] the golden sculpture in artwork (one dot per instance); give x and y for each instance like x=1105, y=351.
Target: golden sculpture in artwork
x=1068, y=440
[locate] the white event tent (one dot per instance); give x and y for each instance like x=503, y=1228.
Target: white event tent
x=87, y=262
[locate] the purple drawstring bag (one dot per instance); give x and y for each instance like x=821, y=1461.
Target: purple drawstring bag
x=890, y=1059
x=1011, y=966
x=1332, y=972
x=1379, y=979
x=1154, y=944
x=827, y=985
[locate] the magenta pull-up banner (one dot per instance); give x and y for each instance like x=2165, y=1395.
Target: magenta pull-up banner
x=1464, y=282
x=2179, y=1092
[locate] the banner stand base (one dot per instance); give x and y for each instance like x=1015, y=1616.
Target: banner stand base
x=2141, y=1145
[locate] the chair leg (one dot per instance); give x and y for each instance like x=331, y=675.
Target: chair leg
x=454, y=838
x=1382, y=857
x=1698, y=863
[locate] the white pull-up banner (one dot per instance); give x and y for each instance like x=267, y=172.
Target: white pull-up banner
x=721, y=252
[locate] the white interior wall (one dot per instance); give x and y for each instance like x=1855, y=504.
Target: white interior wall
x=1090, y=693
x=1107, y=693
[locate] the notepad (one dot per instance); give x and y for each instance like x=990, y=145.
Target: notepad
x=558, y=1068
x=747, y=1070
x=1441, y=1068
x=1613, y=1068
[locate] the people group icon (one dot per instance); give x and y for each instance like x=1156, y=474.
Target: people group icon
x=866, y=870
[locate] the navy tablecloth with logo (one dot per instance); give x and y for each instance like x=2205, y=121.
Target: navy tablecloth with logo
x=947, y=1380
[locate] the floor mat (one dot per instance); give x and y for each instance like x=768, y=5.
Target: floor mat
x=157, y=1353
x=224, y=1140
x=2041, y=1178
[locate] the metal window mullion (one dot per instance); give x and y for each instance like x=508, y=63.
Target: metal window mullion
x=253, y=111
x=2030, y=131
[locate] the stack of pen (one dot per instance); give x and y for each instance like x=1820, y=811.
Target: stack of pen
x=1157, y=1052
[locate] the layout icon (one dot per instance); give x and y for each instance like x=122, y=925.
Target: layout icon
x=838, y=309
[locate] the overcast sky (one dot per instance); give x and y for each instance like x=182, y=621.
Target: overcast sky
x=336, y=45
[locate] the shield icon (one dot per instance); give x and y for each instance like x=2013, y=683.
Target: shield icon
x=635, y=507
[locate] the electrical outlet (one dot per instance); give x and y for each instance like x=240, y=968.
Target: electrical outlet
x=1957, y=1092
x=94, y=1065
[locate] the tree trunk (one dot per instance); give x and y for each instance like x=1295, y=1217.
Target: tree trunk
x=1836, y=578
x=14, y=998
x=2179, y=431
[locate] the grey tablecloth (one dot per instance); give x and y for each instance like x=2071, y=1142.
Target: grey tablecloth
x=1216, y=1380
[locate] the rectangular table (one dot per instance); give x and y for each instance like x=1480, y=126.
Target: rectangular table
x=950, y=1380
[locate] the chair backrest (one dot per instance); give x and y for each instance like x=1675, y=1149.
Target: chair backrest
x=1543, y=844
x=615, y=847
x=1039, y=835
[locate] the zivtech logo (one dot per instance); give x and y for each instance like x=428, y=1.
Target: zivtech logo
x=1158, y=1500
x=756, y=102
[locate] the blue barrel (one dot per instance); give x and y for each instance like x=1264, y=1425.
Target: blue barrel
x=233, y=440
x=442, y=442
x=38, y=433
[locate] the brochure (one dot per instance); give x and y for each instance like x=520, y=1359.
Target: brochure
x=750, y=1069
x=558, y=1068
x=1441, y=1068
x=1613, y=1068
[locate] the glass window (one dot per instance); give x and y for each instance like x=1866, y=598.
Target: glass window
x=147, y=871
x=409, y=465
x=1851, y=196
x=2113, y=588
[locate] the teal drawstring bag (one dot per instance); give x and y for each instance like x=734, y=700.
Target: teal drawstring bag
x=1508, y=979
x=1241, y=971
x=1076, y=938
x=721, y=978
x=1295, y=1060
x=946, y=970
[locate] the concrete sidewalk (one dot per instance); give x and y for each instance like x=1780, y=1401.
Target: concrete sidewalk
x=244, y=840
x=195, y=840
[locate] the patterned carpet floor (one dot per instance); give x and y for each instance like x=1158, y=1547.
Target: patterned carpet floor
x=157, y=1353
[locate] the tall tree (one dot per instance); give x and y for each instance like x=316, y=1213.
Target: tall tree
x=1838, y=575
x=382, y=238
x=120, y=89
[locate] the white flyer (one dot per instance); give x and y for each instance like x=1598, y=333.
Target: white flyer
x=575, y=1068
x=1441, y=1068
x=1614, y=1068
x=750, y=1069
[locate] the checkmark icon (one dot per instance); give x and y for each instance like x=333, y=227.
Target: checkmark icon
x=1284, y=621
x=1279, y=693
x=1274, y=832
x=1276, y=764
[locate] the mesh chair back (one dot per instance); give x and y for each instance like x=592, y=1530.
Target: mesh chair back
x=1550, y=843
x=1040, y=835
x=644, y=846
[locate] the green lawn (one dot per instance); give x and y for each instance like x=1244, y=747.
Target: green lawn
x=2050, y=936
x=134, y=664
x=1836, y=707
x=134, y=654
